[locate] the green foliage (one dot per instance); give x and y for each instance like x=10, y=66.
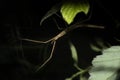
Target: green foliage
x=74, y=53
x=106, y=66
x=95, y=48
x=71, y=8
x=99, y=46
x=75, y=59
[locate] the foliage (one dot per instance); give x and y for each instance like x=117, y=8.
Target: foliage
x=71, y=8
x=106, y=66
x=74, y=53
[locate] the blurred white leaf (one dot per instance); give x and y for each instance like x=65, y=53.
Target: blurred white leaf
x=105, y=66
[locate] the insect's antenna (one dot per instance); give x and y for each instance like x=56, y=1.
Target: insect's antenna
x=58, y=15
x=57, y=24
x=49, y=58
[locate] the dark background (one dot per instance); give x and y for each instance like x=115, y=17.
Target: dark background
x=22, y=19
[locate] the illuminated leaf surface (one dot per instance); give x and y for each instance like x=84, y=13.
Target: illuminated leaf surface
x=105, y=66
x=71, y=8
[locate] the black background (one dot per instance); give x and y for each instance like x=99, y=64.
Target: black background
x=22, y=19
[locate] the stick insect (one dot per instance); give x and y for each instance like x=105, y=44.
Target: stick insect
x=61, y=34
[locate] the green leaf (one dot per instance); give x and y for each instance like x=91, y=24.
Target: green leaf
x=106, y=66
x=52, y=11
x=99, y=45
x=74, y=53
x=71, y=8
x=68, y=79
x=95, y=48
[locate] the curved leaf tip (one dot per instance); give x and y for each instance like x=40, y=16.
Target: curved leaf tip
x=52, y=11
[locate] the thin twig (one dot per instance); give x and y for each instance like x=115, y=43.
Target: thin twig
x=81, y=72
x=77, y=67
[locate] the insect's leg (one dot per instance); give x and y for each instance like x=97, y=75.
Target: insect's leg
x=49, y=58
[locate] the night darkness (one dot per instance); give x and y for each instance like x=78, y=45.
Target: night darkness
x=21, y=19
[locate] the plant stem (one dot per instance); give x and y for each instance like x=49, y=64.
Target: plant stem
x=79, y=73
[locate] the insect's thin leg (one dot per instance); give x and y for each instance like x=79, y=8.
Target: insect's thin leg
x=51, y=54
x=20, y=42
x=58, y=15
x=35, y=41
x=62, y=19
x=21, y=47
